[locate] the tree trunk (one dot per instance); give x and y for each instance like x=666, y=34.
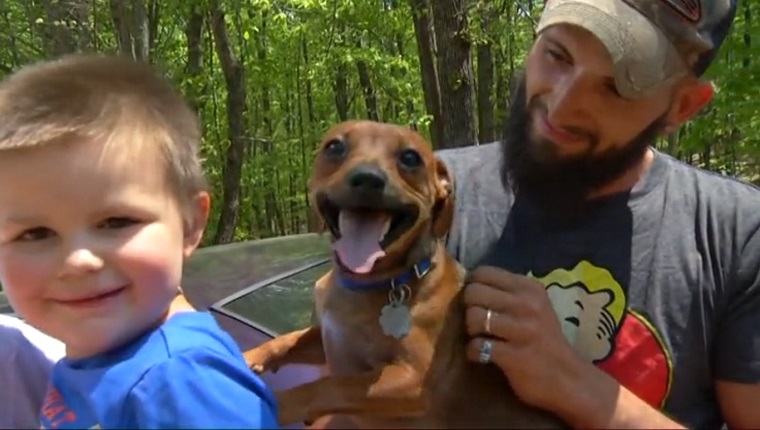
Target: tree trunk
x=133, y=25
x=370, y=99
x=236, y=130
x=455, y=74
x=312, y=218
x=486, y=126
x=426, y=48
x=66, y=29
x=271, y=181
x=340, y=88
x=196, y=90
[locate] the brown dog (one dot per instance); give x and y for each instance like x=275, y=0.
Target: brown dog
x=391, y=317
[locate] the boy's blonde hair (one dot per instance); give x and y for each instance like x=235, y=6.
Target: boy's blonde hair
x=115, y=100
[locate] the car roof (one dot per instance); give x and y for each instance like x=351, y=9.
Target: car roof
x=262, y=285
x=214, y=273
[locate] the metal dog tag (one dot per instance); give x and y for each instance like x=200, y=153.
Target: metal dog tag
x=396, y=320
x=395, y=317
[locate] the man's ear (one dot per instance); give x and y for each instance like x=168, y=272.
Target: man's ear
x=690, y=98
x=443, y=209
x=196, y=218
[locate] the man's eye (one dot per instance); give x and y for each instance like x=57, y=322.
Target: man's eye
x=612, y=89
x=34, y=234
x=556, y=56
x=118, y=222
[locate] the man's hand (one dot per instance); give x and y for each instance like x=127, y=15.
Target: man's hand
x=542, y=367
x=528, y=344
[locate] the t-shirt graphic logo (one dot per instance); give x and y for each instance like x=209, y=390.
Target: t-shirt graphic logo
x=592, y=309
x=57, y=413
x=55, y=410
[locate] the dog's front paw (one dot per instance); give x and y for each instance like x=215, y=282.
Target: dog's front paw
x=260, y=360
x=259, y=368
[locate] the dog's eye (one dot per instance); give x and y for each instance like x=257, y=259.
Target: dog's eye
x=335, y=148
x=410, y=159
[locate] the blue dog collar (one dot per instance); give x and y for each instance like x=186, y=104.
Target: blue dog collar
x=418, y=271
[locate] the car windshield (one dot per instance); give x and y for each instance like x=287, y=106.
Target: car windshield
x=280, y=305
x=265, y=283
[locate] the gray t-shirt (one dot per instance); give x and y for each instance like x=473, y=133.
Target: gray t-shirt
x=26, y=358
x=660, y=287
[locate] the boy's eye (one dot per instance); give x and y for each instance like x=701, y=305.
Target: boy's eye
x=37, y=233
x=118, y=222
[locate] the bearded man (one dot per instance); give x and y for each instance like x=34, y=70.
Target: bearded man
x=614, y=285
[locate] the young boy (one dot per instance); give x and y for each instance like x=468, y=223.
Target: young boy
x=102, y=198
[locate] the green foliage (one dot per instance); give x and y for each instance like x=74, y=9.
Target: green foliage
x=291, y=52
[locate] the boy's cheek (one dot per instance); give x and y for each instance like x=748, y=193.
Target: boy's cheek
x=23, y=275
x=153, y=256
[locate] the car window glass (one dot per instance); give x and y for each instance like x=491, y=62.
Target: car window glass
x=283, y=306
x=215, y=273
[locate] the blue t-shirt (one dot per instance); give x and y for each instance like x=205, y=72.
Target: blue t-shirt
x=186, y=373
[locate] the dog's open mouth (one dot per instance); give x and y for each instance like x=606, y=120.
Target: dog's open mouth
x=363, y=232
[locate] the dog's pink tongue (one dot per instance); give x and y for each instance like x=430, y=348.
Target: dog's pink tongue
x=359, y=245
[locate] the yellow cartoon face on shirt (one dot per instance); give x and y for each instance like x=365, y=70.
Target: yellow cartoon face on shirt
x=586, y=323
x=595, y=319
x=590, y=305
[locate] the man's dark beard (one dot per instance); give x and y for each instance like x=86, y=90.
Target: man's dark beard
x=561, y=186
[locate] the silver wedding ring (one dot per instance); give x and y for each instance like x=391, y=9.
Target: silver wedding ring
x=489, y=316
x=485, y=352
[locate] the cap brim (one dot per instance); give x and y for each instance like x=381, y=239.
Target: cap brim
x=641, y=54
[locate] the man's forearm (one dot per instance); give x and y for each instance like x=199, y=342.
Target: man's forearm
x=594, y=399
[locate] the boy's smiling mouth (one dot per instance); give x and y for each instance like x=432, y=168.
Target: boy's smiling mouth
x=92, y=300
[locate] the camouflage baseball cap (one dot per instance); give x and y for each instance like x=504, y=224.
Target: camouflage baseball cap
x=650, y=41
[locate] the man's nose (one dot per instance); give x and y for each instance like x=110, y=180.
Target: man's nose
x=81, y=261
x=564, y=100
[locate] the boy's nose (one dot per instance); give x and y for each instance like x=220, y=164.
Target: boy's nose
x=79, y=262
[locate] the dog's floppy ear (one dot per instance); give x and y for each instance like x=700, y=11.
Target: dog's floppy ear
x=443, y=210
x=314, y=219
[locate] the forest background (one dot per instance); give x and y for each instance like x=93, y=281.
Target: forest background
x=268, y=77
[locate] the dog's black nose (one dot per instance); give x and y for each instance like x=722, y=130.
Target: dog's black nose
x=367, y=177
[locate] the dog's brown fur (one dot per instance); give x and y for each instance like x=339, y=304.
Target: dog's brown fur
x=424, y=379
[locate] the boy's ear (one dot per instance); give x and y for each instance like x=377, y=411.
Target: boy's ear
x=196, y=221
